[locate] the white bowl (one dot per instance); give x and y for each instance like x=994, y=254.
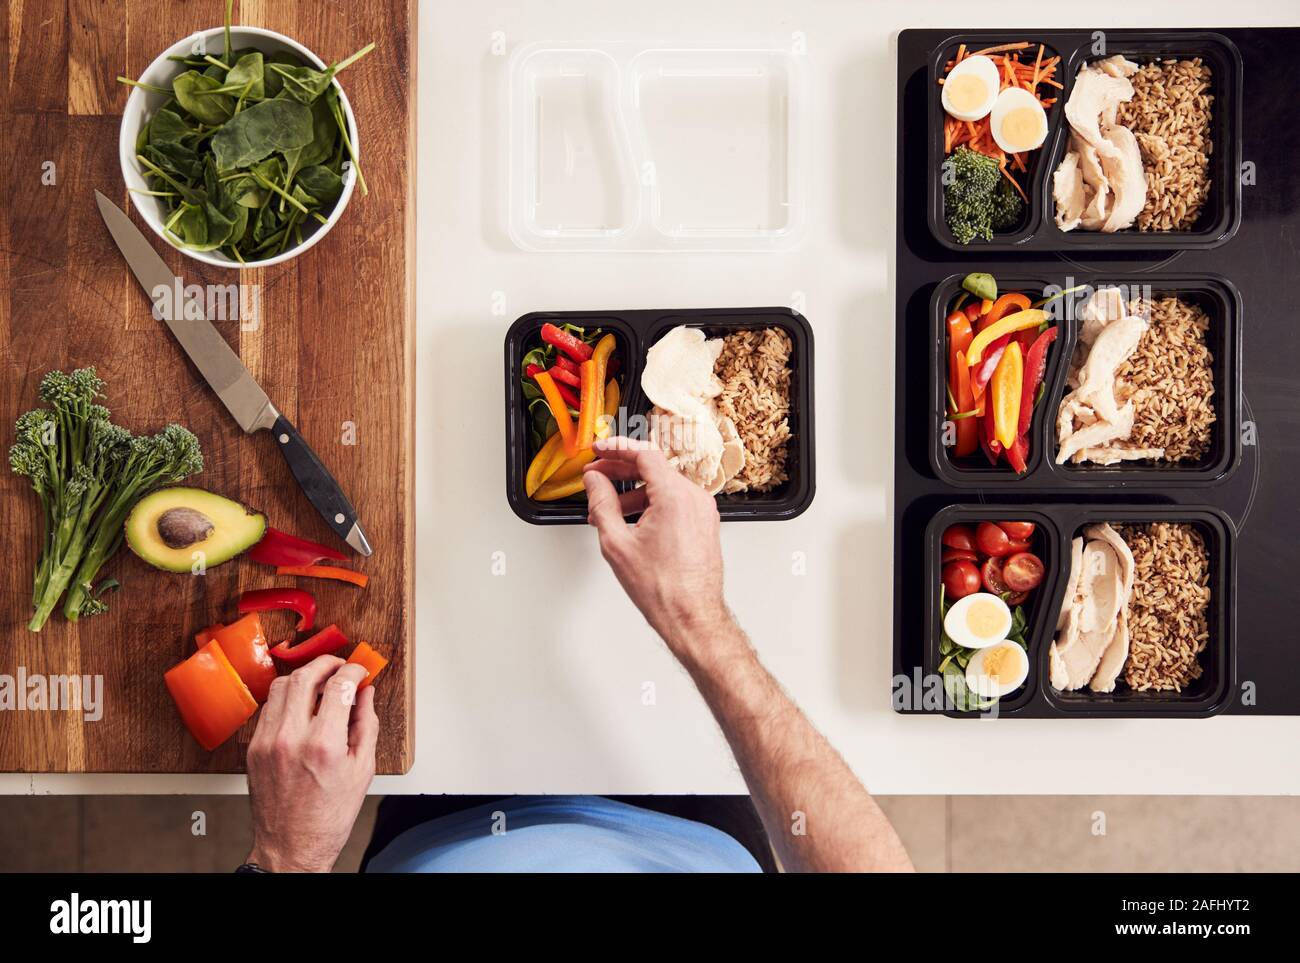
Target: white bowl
x=142, y=104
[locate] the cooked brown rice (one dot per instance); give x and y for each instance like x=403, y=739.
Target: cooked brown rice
x=1170, y=115
x=1170, y=380
x=1168, y=612
x=754, y=368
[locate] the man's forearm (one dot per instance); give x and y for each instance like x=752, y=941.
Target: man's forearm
x=817, y=814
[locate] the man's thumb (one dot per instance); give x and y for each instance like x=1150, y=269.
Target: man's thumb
x=603, y=509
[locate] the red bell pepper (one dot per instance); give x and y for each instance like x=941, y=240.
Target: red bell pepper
x=279, y=548
x=575, y=348
x=273, y=599
x=565, y=391
x=568, y=365
x=967, y=428
x=988, y=437
x=244, y=643
x=370, y=660
x=1035, y=369
x=563, y=376
x=211, y=698
x=327, y=640
x=1018, y=454
x=959, y=338
x=973, y=312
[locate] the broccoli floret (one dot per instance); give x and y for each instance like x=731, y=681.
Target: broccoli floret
x=977, y=198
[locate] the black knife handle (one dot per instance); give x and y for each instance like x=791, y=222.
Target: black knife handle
x=316, y=481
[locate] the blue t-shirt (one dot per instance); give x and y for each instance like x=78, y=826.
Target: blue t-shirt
x=562, y=834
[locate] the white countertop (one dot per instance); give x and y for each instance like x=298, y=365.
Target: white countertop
x=521, y=688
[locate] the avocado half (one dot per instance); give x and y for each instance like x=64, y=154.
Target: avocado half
x=168, y=526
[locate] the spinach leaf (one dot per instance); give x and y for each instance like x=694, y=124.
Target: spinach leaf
x=305, y=84
x=167, y=127
x=259, y=131
x=215, y=108
x=321, y=183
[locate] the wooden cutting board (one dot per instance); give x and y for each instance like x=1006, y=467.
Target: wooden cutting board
x=332, y=348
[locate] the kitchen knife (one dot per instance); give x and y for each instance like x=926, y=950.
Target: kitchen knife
x=227, y=376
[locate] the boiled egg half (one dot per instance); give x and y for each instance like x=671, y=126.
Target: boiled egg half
x=971, y=88
x=1018, y=121
x=998, y=670
x=978, y=621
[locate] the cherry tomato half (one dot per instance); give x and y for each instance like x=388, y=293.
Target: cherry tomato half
x=1014, y=546
x=1022, y=571
x=959, y=536
x=959, y=555
x=1017, y=599
x=960, y=579
x=992, y=540
x=991, y=575
x=1020, y=531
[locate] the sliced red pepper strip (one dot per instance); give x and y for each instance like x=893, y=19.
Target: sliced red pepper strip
x=567, y=364
x=244, y=643
x=279, y=548
x=563, y=376
x=325, y=571
x=988, y=438
x=327, y=640
x=570, y=399
x=273, y=599
x=370, y=660
x=1018, y=454
x=575, y=348
x=1035, y=369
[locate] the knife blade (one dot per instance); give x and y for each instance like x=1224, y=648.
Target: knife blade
x=226, y=374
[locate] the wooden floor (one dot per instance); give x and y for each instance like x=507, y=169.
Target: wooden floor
x=954, y=833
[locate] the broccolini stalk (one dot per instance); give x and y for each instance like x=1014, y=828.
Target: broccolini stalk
x=71, y=453
x=166, y=458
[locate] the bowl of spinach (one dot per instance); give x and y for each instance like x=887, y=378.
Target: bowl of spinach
x=239, y=146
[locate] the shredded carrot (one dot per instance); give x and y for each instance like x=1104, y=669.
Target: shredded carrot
x=1001, y=48
x=1019, y=189
x=324, y=571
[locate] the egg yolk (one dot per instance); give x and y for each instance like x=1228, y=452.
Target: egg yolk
x=1022, y=126
x=984, y=619
x=1000, y=663
x=966, y=92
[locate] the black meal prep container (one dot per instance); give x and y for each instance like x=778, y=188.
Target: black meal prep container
x=1221, y=302
x=1058, y=524
x=1037, y=231
x=636, y=332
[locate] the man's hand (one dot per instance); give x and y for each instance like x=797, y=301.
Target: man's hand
x=670, y=562
x=309, y=765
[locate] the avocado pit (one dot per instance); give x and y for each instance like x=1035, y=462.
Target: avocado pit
x=182, y=527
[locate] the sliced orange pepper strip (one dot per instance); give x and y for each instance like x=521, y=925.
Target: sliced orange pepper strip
x=589, y=408
x=559, y=411
x=324, y=571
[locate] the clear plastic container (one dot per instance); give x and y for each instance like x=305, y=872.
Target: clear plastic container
x=615, y=147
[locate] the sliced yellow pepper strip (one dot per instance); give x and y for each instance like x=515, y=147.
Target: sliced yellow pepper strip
x=603, y=352
x=605, y=421
x=1007, y=325
x=1005, y=387
x=559, y=411
x=548, y=458
x=553, y=490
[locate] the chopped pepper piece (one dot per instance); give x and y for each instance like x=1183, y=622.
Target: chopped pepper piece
x=1035, y=369
x=370, y=660
x=203, y=636
x=590, y=407
x=244, y=644
x=575, y=348
x=279, y=548
x=212, y=700
x=548, y=458
x=272, y=599
x=327, y=640
x=967, y=428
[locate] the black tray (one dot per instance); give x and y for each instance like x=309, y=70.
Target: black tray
x=636, y=332
x=1037, y=231
x=1058, y=524
x=1252, y=278
x=1221, y=303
